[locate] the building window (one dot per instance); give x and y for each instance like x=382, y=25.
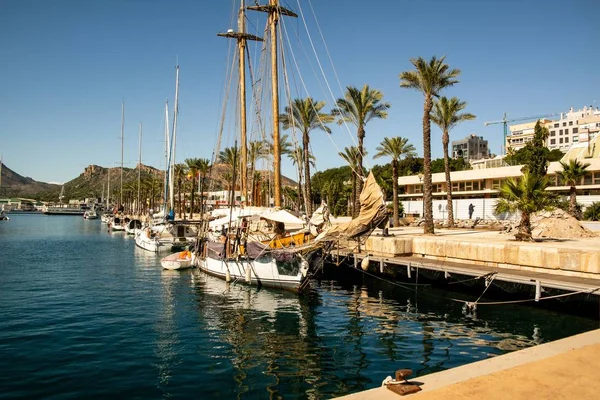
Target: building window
x=587, y=179
x=596, y=178
x=566, y=131
x=564, y=124
x=560, y=140
x=570, y=123
x=575, y=139
x=455, y=186
x=567, y=139
x=575, y=130
x=496, y=183
x=560, y=132
x=553, y=141
x=556, y=125
x=438, y=188
x=417, y=188
x=552, y=133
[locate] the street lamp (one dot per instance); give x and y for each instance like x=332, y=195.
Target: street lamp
x=422, y=195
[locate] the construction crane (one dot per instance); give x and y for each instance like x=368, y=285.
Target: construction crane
x=506, y=121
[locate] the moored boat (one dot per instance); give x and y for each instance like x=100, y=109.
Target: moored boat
x=90, y=214
x=181, y=260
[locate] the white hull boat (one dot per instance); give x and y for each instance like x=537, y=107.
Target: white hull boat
x=133, y=226
x=90, y=214
x=160, y=238
x=181, y=260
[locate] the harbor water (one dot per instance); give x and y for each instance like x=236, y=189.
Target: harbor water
x=86, y=314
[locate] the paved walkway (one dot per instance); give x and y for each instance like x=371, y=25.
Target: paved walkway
x=565, y=369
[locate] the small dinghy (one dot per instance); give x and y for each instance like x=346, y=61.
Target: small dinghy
x=180, y=260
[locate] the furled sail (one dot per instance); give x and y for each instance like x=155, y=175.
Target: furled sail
x=372, y=214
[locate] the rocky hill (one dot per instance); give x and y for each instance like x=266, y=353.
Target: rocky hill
x=15, y=185
x=93, y=181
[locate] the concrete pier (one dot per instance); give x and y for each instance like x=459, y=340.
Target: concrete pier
x=570, y=264
x=565, y=369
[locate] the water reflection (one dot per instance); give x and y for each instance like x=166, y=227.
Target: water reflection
x=167, y=340
x=336, y=339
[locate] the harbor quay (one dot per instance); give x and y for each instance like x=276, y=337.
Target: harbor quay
x=553, y=370
x=565, y=264
x=541, y=269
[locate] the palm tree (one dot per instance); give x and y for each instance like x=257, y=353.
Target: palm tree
x=592, y=212
x=571, y=175
x=428, y=78
x=193, y=165
x=395, y=148
x=298, y=160
x=351, y=156
x=256, y=150
x=203, y=170
x=230, y=156
x=305, y=114
x=359, y=106
x=179, y=174
x=446, y=115
x=526, y=195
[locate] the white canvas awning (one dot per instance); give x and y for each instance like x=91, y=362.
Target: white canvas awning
x=288, y=219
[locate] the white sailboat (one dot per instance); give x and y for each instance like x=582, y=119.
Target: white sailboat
x=3, y=217
x=164, y=233
x=278, y=259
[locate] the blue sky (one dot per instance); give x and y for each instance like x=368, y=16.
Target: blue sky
x=65, y=67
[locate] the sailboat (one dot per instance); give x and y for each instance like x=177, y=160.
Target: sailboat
x=279, y=260
x=118, y=222
x=163, y=233
x=3, y=217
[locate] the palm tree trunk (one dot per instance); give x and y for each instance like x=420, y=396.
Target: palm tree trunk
x=353, y=210
x=573, y=201
x=427, y=195
x=192, y=201
x=449, y=208
x=299, y=202
x=179, y=197
x=308, y=197
x=395, y=191
x=359, y=181
x=524, y=232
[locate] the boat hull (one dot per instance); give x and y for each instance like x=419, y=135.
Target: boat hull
x=158, y=245
x=263, y=272
x=181, y=260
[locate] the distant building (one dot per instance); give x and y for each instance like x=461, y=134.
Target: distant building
x=566, y=131
x=521, y=134
x=472, y=147
x=573, y=127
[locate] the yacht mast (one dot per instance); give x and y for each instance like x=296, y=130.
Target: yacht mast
x=275, y=11
x=241, y=36
x=168, y=172
x=122, y=142
x=108, y=191
x=138, y=208
x=174, y=140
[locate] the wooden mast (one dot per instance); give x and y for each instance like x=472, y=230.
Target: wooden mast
x=275, y=10
x=242, y=37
